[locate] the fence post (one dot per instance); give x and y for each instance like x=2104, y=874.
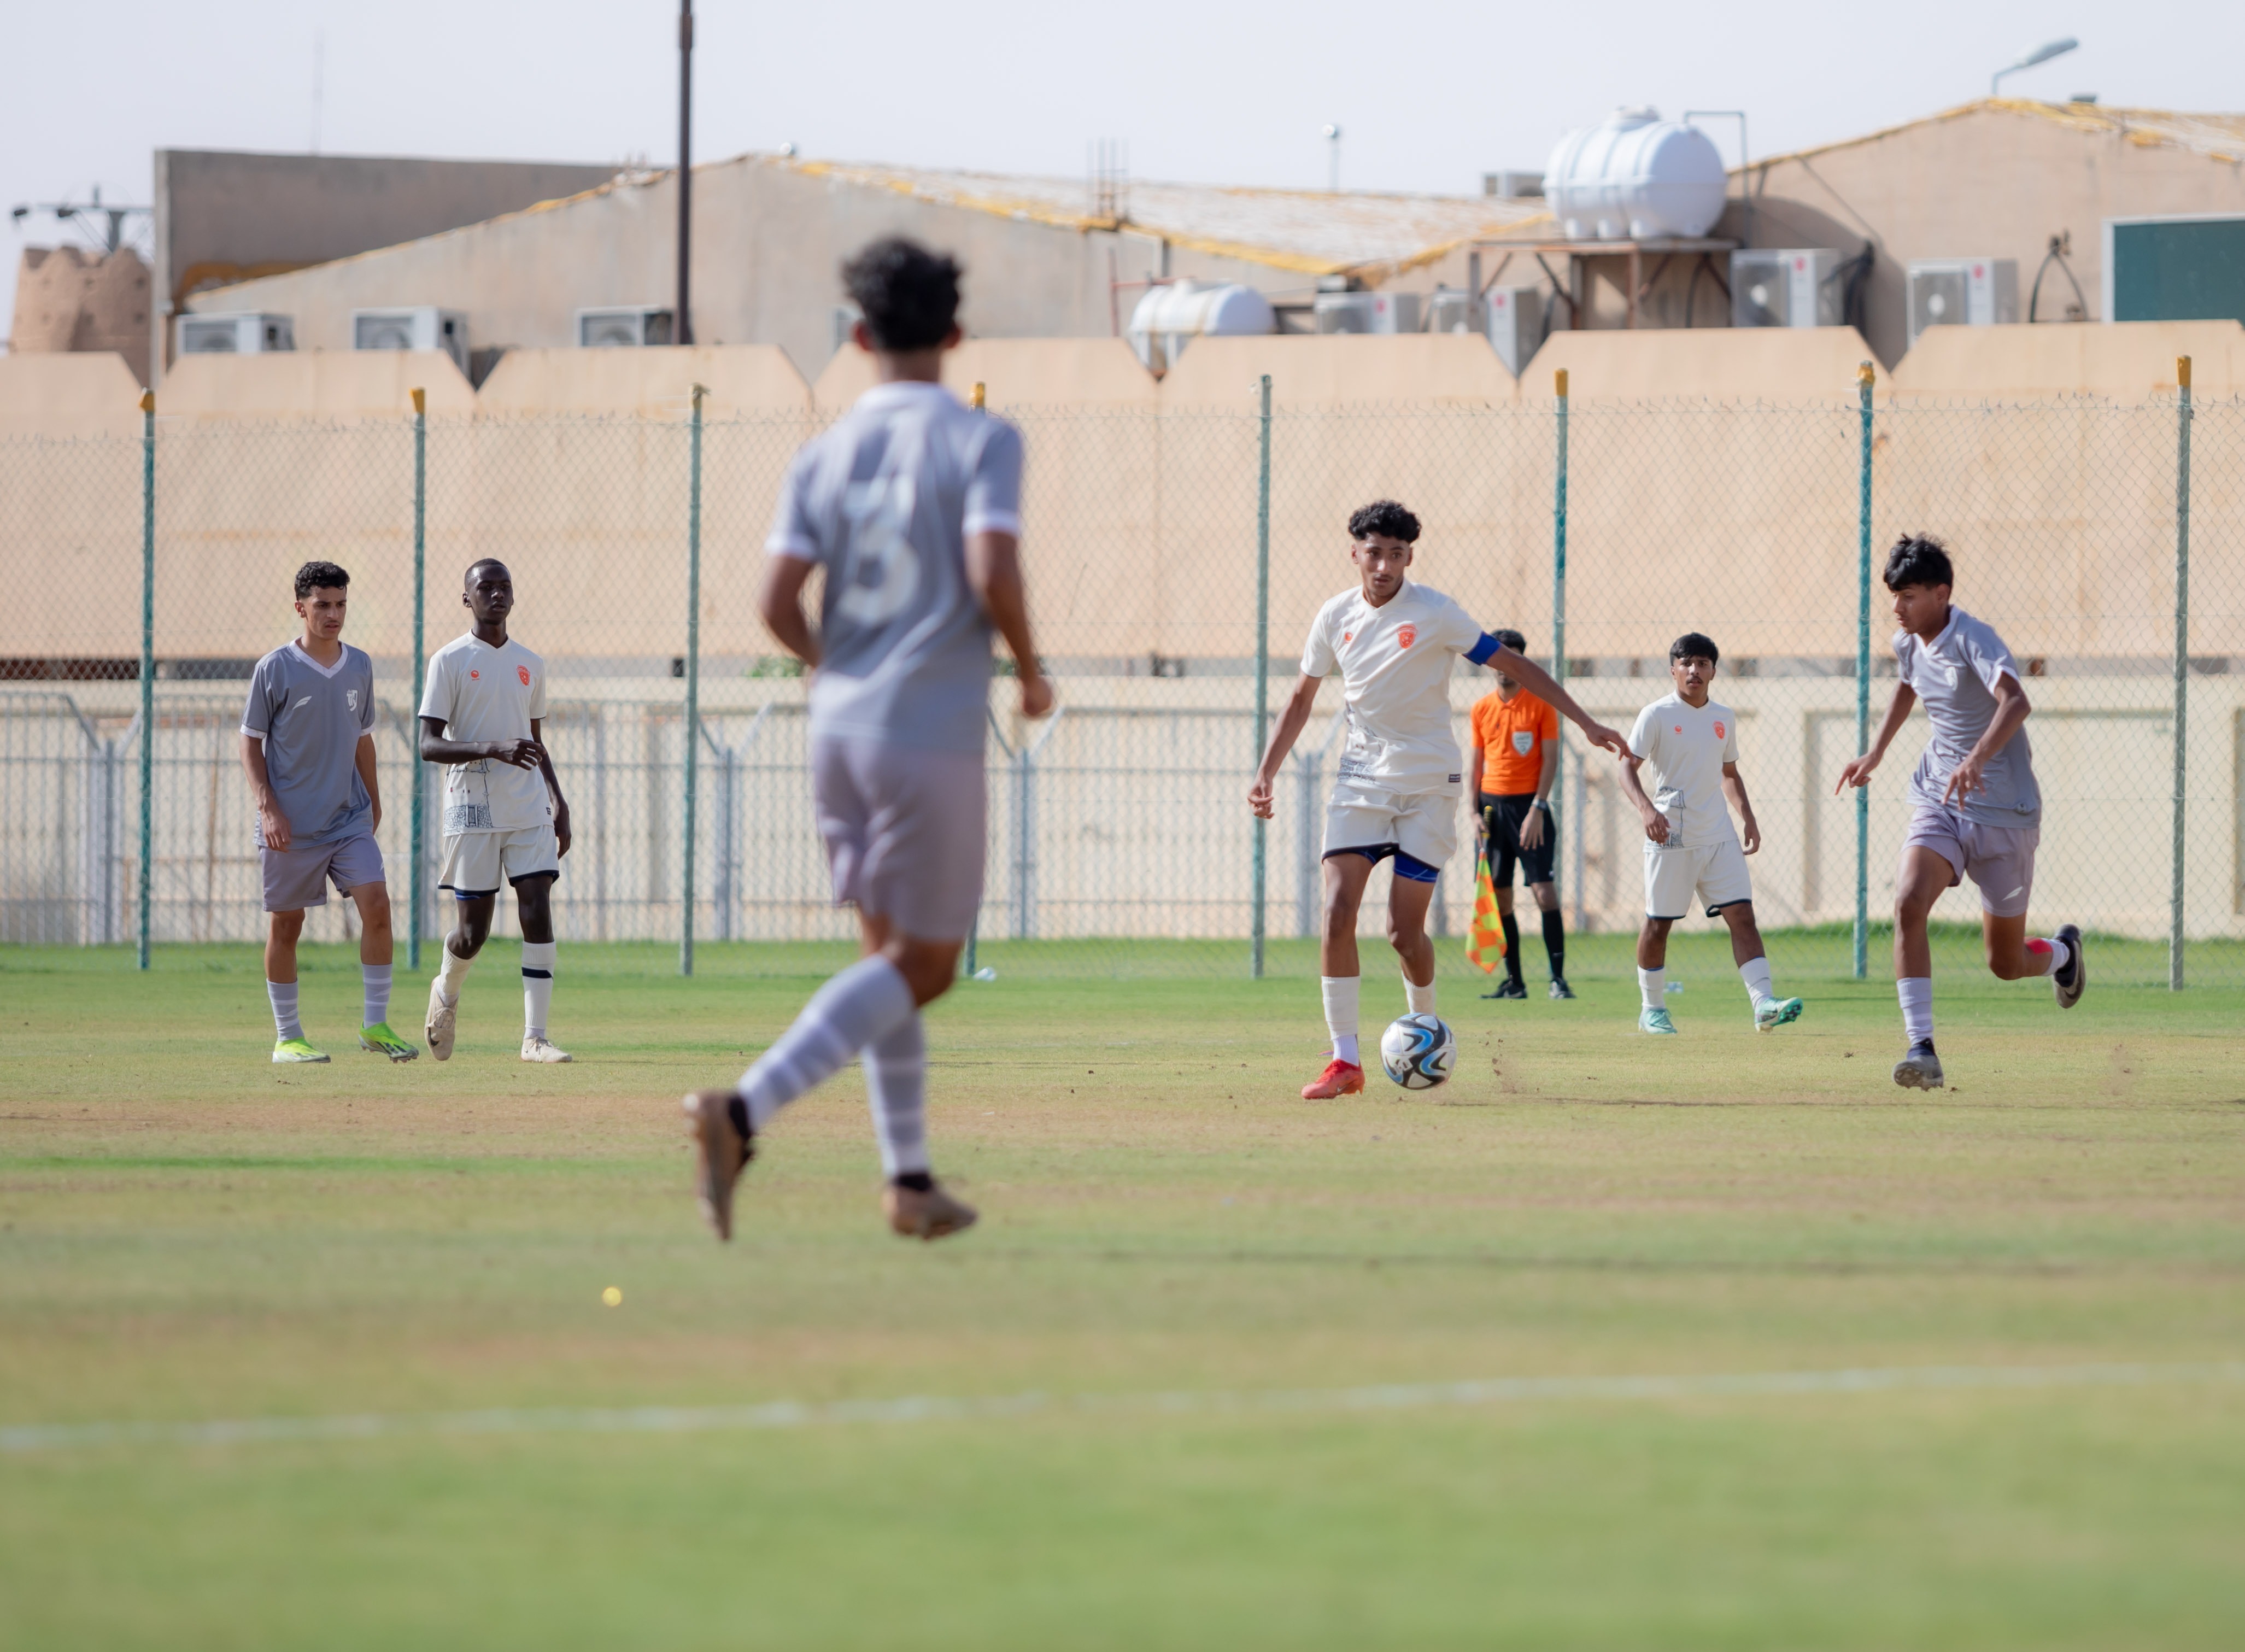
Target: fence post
x=1559, y=589
x=693, y=675
x=2182, y=666
x=417, y=828
x=1865, y=377
x=147, y=655
x=1262, y=663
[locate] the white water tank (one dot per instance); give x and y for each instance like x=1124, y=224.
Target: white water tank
x=1636, y=177
x=1170, y=316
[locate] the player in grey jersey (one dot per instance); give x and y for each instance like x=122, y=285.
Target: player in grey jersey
x=910, y=505
x=1975, y=809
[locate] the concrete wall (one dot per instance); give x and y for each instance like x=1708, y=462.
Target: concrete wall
x=69, y=300
x=2125, y=361
x=223, y=214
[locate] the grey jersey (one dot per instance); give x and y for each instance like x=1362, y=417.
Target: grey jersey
x=1955, y=677
x=883, y=501
x=311, y=718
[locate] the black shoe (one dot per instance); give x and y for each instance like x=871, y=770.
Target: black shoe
x=2068, y=983
x=1507, y=989
x=1560, y=988
x=1920, y=1069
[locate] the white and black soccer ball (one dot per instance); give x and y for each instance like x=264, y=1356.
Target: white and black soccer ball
x=1418, y=1051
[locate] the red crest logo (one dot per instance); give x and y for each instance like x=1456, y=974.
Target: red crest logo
x=1719, y=730
x=475, y=674
x=523, y=671
x=1348, y=636
x=1679, y=728
x=1407, y=635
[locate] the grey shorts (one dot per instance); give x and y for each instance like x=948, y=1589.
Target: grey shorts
x=297, y=878
x=904, y=832
x=1999, y=859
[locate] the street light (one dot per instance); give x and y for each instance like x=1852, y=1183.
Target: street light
x=2041, y=54
x=1333, y=150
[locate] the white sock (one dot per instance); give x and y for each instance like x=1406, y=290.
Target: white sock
x=283, y=995
x=862, y=1005
x=374, y=981
x=536, y=985
x=1652, y=987
x=452, y=973
x=2059, y=953
x=1755, y=973
x=896, y=1085
x=1916, y=995
x=1419, y=1000
x=1340, y=992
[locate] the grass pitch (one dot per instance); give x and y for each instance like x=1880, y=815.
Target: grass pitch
x=187, y=1234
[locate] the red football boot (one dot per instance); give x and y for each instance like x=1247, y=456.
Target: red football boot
x=1339, y=1078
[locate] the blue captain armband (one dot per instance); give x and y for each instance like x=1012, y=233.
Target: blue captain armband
x=1482, y=652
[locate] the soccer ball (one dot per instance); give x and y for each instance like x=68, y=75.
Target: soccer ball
x=1418, y=1052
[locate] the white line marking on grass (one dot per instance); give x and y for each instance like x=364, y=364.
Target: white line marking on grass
x=1390, y=1396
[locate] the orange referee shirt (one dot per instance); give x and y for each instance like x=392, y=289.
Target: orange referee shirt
x=1513, y=737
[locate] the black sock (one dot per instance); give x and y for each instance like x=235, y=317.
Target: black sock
x=1511, y=945
x=1554, y=942
x=918, y=1182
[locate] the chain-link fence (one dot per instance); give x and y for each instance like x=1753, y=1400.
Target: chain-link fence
x=1169, y=552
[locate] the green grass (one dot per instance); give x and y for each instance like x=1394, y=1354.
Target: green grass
x=189, y=1233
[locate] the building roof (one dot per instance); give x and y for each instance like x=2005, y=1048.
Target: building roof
x=2216, y=137
x=1315, y=232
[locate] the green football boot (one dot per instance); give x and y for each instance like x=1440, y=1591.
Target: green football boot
x=292, y=1050
x=379, y=1037
x=1655, y=1021
x=1775, y=1012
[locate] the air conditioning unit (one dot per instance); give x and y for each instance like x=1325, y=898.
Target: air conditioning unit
x=1962, y=292
x=623, y=326
x=1516, y=324
x=422, y=327
x=1366, y=312
x=1787, y=287
x=245, y=333
x=1450, y=309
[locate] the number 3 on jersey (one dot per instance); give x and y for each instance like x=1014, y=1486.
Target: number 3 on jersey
x=882, y=573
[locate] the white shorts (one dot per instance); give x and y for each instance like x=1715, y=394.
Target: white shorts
x=476, y=863
x=1716, y=871
x=1378, y=823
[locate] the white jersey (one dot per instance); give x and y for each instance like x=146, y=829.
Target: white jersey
x=1687, y=747
x=1395, y=662
x=484, y=693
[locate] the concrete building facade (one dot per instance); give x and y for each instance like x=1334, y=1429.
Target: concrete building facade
x=69, y=300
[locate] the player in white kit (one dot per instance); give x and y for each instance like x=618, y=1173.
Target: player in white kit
x=1976, y=809
x=483, y=712
x=1395, y=643
x=910, y=504
x=1691, y=850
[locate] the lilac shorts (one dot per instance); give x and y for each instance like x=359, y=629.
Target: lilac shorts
x=297, y=878
x=1999, y=859
x=904, y=832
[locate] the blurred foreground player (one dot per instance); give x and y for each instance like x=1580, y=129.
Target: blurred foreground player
x=1975, y=811
x=308, y=747
x=1393, y=643
x=910, y=504
x=1514, y=760
x=483, y=714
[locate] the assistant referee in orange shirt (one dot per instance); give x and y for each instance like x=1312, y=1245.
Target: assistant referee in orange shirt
x=1516, y=758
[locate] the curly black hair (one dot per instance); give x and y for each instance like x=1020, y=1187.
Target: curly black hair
x=316, y=576
x=908, y=295
x=1918, y=559
x=1694, y=645
x=1384, y=516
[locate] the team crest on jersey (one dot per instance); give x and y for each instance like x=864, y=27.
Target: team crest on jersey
x=1719, y=730
x=350, y=699
x=523, y=671
x=472, y=674
x=1348, y=636
x=1407, y=635
x=1523, y=741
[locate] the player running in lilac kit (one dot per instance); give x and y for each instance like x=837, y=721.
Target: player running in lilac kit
x=1975, y=811
x=910, y=504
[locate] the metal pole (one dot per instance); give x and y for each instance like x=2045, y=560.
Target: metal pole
x=1864, y=378
x=682, y=330
x=417, y=828
x=1559, y=586
x=147, y=654
x=693, y=673
x=2181, y=665
x=1262, y=663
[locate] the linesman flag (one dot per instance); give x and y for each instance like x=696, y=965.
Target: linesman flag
x=1485, y=938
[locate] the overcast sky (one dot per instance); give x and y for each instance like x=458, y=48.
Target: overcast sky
x=1427, y=97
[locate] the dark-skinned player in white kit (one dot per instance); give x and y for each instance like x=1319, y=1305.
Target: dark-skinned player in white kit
x=910, y=504
x=1393, y=643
